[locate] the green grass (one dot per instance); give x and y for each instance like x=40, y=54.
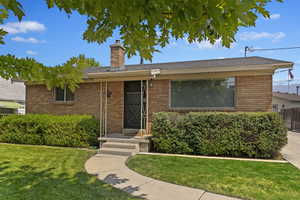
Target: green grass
x=245, y=179
x=50, y=173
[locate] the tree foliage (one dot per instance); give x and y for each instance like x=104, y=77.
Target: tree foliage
x=69, y=73
x=7, y=6
x=145, y=24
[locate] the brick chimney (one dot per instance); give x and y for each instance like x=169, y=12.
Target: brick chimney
x=117, y=54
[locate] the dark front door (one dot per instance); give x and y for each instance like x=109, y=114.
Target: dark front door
x=132, y=104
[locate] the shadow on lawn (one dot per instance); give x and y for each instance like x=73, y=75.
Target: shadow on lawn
x=31, y=183
x=113, y=179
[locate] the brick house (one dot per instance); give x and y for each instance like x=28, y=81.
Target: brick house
x=124, y=97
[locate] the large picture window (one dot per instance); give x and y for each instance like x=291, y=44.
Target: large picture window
x=63, y=94
x=211, y=93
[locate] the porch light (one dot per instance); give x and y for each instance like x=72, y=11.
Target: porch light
x=155, y=72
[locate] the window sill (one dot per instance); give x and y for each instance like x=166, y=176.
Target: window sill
x=64, y=102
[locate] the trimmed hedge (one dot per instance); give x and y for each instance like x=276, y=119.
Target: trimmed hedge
x=253, y=135
x=66, y=130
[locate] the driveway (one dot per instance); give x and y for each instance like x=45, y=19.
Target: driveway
x=291, y=151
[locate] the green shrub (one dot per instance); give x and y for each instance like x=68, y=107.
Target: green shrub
x=254, y=135
x=66, y=130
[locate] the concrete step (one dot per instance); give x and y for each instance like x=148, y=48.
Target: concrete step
x=124, y=140
x=117, y=151
x=130, y=132
x=119, y=135
x=119, y=145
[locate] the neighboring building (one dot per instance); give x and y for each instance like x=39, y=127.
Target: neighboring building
x=285, y=100
x=125, y=97
x=12, y=96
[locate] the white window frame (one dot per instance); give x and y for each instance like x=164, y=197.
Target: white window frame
x=202, y=108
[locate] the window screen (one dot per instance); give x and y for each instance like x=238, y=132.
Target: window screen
x=203, y=93
x=63, y=94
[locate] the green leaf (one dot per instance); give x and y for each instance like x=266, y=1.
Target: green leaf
x=138, y=21
x=69, y=73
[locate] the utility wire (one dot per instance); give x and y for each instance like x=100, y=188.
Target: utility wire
x=272, y=49
x=249, y=49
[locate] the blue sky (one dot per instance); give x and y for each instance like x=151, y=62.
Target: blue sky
x=51, y=37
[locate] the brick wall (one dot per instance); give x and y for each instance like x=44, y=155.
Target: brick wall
x=253, y=93
x=158, y=96
x=39, y=100
x=115, y=107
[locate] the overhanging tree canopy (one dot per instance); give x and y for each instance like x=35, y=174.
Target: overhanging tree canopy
x=69, y=73
x=145, y=24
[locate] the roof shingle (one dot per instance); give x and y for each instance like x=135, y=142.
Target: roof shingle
x=226, y=62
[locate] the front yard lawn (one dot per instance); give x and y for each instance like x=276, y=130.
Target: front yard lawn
x=50, y=173
x=245, y=179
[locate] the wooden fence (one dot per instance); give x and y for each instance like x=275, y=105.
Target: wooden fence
x=291, y=117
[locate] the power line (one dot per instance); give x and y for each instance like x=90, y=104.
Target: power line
x=250, y=50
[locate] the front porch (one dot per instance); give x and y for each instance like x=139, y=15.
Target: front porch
x=124, y=109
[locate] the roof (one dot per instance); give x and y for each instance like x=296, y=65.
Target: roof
x=222, y=64
x=286, y=96
x=11, y=90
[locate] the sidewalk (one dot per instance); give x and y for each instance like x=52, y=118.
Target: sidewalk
x=112, y=170
x=291, y=151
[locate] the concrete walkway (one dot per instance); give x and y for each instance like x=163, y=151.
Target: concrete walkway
x=291, y=151
x=112, y=170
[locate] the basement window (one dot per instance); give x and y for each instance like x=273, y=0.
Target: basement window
x=63, y=94
x=210, y=93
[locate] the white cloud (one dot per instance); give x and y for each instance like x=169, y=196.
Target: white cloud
x=275, y=16
x=27, y=40
x=23, y=27
x=246, y=36
x=32, y=53
x=207, y=45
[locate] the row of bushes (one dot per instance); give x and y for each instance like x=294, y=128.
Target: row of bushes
x=70, y=131
x=254, y=135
